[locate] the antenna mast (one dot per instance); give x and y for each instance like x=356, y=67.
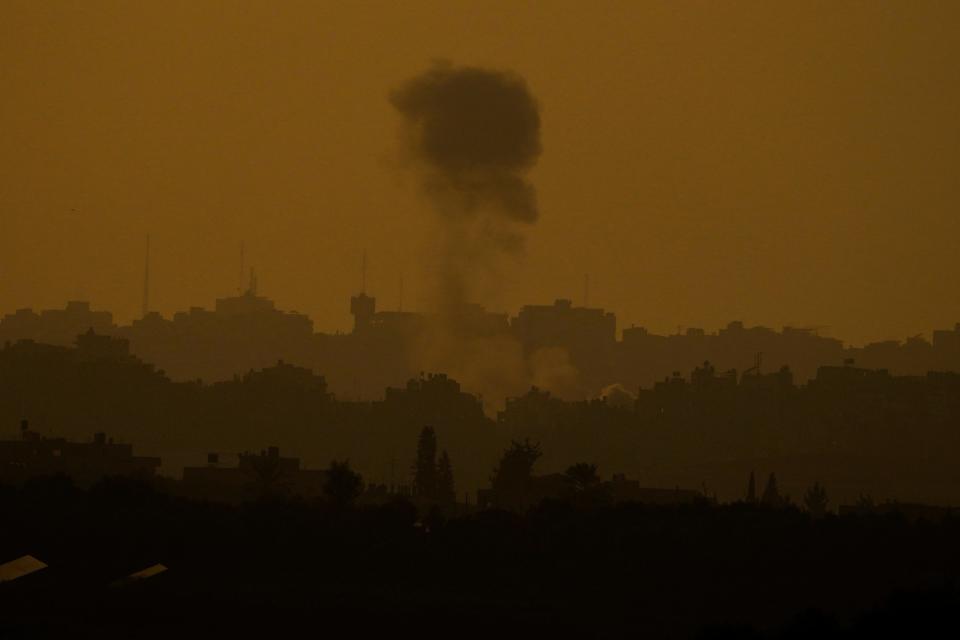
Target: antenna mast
x=146, y=281
x=586, y=290
x=363, y=273
x=242, y=266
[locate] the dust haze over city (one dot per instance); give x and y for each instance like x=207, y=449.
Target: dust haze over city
x=479, y=317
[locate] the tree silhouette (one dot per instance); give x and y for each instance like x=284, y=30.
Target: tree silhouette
x=511, y=477
x=816, y=500
x=752, y=489
x=771, y=493
x=446, y=492
x=343, y=485
x=425, y=466
x=582, y=476
x=585, y=486
x=268, y=477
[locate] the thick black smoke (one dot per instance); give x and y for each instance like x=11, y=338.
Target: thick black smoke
x=476, y=133
x=472, y=135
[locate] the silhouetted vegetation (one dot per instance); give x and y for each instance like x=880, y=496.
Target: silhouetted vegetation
x=771, y=494
x=854, y=430
x=446, y=486
x=343, y=485
x=815, y=500
x=425, y=468
x=513, y=475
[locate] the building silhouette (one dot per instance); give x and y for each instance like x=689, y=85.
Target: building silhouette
x=33, y=455
x=256, y=475
x=386, y=348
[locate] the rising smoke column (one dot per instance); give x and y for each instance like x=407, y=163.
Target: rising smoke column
x=472, y=135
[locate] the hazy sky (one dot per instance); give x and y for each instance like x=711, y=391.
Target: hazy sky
x=777, y=163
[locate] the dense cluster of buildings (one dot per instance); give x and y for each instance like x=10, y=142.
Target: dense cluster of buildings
x=206, y=379
x=385, y=348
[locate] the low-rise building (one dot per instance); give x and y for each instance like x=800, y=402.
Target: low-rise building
x=84, y=462
x=256, y=475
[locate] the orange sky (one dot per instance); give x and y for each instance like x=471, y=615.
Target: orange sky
x=777, y=163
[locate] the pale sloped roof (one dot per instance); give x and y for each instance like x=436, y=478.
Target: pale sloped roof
x=20, y=567
x=149, y=572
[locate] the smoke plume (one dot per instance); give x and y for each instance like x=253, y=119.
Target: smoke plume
x=471, y=136
x=476, y=133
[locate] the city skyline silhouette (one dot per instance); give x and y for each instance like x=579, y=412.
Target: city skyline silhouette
x=479, y=319
x=769, y=167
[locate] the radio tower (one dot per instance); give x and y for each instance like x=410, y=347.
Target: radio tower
x=146, y=281
x=243, y=271
x=363, y=273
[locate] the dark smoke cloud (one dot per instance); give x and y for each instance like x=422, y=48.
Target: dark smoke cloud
x=472, y=135
x=477, y=133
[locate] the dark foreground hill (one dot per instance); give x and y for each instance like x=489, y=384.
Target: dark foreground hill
x=272, y=569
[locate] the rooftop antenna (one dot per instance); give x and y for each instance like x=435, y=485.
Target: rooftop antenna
x=146, y=281
x=363, y=273
x=242, y=266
